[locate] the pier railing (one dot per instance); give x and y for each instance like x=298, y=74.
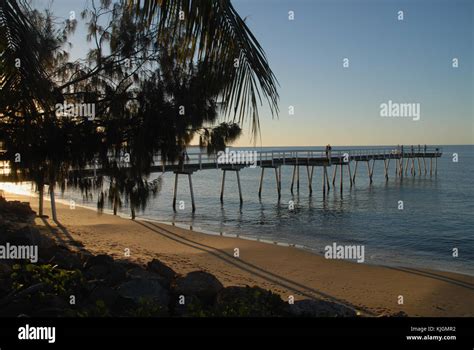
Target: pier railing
x=236, y=159
x=241, y=158
x=248, y=157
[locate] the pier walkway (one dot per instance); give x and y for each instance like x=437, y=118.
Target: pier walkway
x=412, y=159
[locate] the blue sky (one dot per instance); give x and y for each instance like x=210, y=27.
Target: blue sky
x=407, y=61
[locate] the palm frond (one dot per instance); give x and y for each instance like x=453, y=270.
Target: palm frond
x=216, y=35
x=19, y=56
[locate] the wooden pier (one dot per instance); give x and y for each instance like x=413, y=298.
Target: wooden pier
x=407, y=158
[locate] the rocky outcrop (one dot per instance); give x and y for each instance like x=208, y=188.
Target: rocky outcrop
x=162, y=270
x=139, y=289
x=76, y=283
x=15, y=211
x=200, y=284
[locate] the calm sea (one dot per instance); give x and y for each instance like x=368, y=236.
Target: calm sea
x=437, y=215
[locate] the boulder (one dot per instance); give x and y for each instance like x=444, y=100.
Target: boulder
x=320, y=308
x=116, y=275
x=138, y=289
x=200, y=284
x=105, y=293
x=161, y=269
x=5, y=270
x=51, y=306
x=5, y=287
x=101, y=259
x=138, y=272
x=5, y=281
x=18, y=234
x=17, y=307
x=97, y=272
x=65, y=258
x=98, y=266
x=17, y=211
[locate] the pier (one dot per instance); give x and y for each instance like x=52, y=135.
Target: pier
x=406, y=157
x=409, y=161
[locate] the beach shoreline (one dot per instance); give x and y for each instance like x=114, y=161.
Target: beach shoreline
x=289, y=271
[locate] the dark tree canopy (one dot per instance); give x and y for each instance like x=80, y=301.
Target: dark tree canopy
x=158, y=74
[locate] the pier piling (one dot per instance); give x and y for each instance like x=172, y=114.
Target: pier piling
x=355, y=172
x=261, y=183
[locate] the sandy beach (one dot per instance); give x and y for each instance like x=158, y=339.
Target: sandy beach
x=374, y=290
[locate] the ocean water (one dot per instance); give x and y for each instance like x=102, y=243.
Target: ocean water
x=437, y=215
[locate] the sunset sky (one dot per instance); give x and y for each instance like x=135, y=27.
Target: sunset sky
x=407, y=61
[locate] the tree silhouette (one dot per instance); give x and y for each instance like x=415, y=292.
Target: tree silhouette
x=158, y=74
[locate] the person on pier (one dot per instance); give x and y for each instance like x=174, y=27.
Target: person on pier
x=182, y=157
x=328, y=151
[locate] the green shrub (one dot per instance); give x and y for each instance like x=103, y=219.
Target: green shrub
x=55, y=280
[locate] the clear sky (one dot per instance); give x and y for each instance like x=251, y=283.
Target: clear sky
x=407, y=61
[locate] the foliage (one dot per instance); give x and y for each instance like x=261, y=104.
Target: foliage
x=156, y=82
x=248, y=302
x=147, y=308
x=56, y=280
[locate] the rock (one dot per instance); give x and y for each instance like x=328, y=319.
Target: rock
x=101, y=259
x=200, y=284
x=17, y=211
x=126, y=264
x=17, y=307
x=116, y=275
x=138, y=272
x=45, y=243
x=5, y=281
x=54, y=302
x=320, y=308
x=65, y=258
x=123, y=306
x=97, y=272
x=18, y=234
x=105, y=293
x=161, y=269
x=98, y=266
x=5, y=287
x=5, y=269
x=138, y=289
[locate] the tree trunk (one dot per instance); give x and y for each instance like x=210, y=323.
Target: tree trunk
x=115, y=205
x=41, y=197
x=53, y=203
x=133, y=213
